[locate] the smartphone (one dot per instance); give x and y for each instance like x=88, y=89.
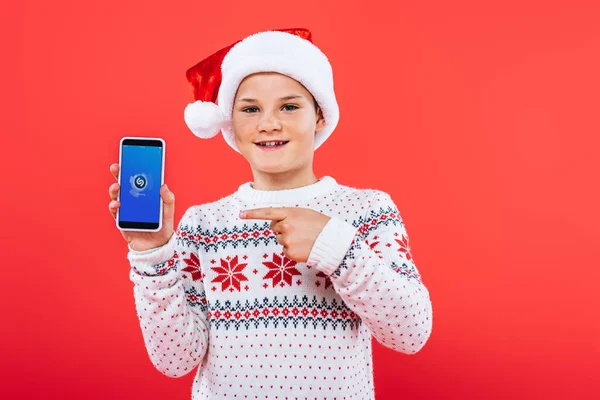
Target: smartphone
x=141, y=174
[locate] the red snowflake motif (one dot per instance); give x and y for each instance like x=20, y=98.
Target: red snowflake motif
x=404, y=248
x=193, y=267
x=328, y=283
x=281, y=270
x=230, y=274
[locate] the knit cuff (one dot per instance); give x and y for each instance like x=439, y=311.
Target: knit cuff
x=145, y=262
x=331, y=245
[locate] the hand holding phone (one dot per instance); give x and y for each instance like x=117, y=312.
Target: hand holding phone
x=143, y=214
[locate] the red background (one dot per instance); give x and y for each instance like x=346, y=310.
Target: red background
x=481, y=121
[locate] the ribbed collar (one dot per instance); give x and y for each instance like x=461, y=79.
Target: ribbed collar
x=286, y=196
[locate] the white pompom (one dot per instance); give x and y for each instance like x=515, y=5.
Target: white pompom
x=204, y=118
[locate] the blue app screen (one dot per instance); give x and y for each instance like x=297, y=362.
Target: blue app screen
x=140, y=183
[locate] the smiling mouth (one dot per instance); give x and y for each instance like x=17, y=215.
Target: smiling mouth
x=272, y=143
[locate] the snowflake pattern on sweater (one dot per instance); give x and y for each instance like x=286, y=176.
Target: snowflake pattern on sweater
x=222, y=296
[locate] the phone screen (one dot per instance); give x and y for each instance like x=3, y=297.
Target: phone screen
x=141, y=177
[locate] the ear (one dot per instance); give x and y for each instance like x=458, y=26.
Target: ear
x=320, y=121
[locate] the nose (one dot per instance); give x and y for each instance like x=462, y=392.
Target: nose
x=268, y=122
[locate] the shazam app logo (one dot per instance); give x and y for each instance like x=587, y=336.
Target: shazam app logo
x=139, y=183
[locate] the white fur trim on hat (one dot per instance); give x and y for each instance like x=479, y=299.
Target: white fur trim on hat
x=205, y=119
x=287, y=54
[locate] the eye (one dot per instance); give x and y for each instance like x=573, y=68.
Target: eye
x=290, y=107
x=250, y=109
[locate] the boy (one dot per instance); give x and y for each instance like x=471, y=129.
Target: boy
x=275, y=290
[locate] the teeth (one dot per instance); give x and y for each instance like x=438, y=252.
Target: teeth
x=271, y=143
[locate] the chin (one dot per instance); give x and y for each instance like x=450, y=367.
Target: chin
x=272, y=168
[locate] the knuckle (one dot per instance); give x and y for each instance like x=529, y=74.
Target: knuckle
x=291, y=253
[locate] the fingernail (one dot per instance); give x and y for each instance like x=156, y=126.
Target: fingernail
x=167, y=188
x=242, y=214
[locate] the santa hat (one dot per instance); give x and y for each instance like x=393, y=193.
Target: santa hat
x=288, y=51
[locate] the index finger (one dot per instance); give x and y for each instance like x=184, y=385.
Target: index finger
x=114, y=169
x=270, y=213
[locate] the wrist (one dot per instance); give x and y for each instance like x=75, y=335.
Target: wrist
x=149, y=248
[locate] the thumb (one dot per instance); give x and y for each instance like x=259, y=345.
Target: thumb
x=166, y=194
x=168, y=202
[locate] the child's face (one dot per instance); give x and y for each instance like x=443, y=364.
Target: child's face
x=274, y=107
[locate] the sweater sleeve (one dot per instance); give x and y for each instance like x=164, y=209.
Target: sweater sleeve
x=170, y=300
x=371, y=268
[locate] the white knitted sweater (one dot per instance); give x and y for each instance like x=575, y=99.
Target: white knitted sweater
x=221, y=296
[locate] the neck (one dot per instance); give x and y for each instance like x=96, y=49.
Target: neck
x=283, y=180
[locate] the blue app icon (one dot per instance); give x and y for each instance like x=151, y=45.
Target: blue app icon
x=139, y=183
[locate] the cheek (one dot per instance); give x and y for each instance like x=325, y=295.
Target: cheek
x=241, y=130
x=304, y=129
x=308, y=135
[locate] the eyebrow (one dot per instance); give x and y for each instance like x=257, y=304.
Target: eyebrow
x=290, y=97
